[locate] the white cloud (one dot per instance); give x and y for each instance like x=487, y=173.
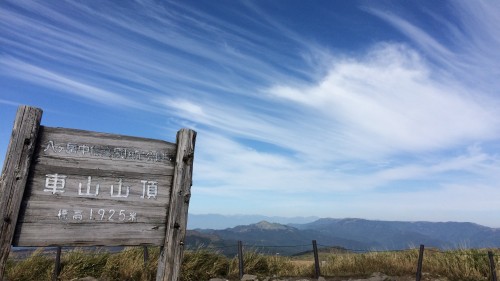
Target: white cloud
x=384, y=104
x=390, y=102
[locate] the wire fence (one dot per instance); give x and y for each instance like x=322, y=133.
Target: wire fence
x=485, y=259
x=261, y=248
x=485, y=255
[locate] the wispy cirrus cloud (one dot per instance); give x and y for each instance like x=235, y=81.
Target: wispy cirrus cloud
x=49, y=79
x=276, y=111
x=467, y=48
x=391, y=102
x=166, y=49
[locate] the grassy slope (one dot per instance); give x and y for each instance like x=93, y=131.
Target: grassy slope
x=202, y=265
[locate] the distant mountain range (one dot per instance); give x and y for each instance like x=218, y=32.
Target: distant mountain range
x=356, y=234
x=214, y=221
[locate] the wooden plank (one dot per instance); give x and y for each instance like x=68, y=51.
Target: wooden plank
x=72, y=148
x=98, y=184
x=15, y=174
x=87, y=144
x=170, y=259
x=94, y=234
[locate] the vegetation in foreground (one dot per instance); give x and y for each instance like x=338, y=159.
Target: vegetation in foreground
x=467, y=265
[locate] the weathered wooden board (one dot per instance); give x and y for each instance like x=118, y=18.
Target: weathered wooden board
x=88, y=188
x=69, y=187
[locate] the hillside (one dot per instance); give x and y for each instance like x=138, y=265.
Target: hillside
x=358, y=234
x=398, y=234
x=266, y=237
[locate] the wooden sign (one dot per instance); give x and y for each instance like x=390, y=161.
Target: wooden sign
x=67, y=187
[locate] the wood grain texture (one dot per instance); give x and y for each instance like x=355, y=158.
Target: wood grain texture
x=62, y=207
x=15, y=174
x=66, y=187
x=170, y=259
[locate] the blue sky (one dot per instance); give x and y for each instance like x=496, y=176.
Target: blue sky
x=372, y=109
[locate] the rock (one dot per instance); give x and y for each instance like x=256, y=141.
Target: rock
x=248, y=277
x=377, y=276
x=217, y=279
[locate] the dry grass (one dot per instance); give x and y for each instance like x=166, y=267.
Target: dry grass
x=35, y=267
x=390, y=263
x=466, y=265
x=266, y=265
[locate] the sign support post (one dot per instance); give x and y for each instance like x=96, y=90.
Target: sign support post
x=172, y=251
x=15, y=174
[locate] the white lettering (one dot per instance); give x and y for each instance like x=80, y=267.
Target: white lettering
x=88, y=188
x=101, y=212
x=133, y=216
x=78, y=215
x=119, y=192
x=112, y=212
x=149, y=188
x=54, y=183
x=63, y=214
x=122, y=216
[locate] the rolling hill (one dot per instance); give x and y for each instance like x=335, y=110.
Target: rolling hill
x=356, y=234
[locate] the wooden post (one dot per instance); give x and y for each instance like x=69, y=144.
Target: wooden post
x=57, y=266
x=241, y=265
x=317, y=272
x=492, y=266
x=147, y=274
x=419, y=264
x=146, y=255
x=170, y=259
x=15, y=173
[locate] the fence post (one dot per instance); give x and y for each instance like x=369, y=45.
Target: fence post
x=492, y=266
x=240, y=259
x=317, y=272
x=145, y=256
x=57, y=266
x=419, y=265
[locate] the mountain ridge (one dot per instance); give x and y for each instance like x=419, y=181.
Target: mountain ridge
x=357, y=234
x=217, y=221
